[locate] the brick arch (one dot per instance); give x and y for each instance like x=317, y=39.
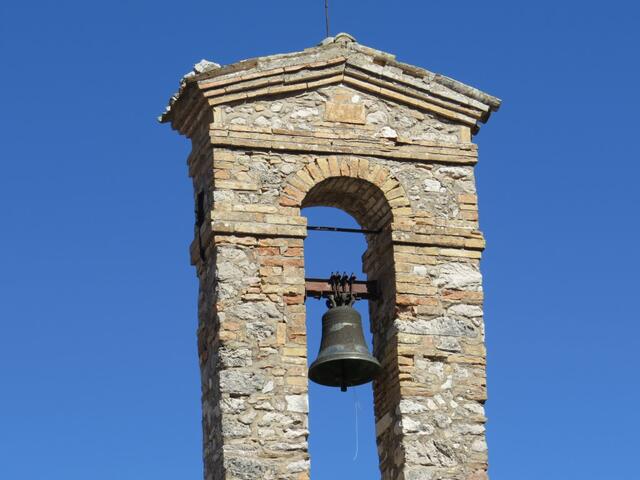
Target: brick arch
x=365, y=190
x=361, y=199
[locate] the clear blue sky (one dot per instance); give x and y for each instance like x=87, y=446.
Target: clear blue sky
x=98, y=370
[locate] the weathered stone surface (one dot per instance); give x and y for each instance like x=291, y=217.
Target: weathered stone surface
x=448, y=326
x=346, y=126
x=232, y=405
x=297, y=403
x=409, y=407
x=233, y=428
x=423, y=451
x=299, y=466
x=422, y=473
x=237, y=382
x=459, y=276
x=250, y=468
x=470, y=311
x=235, y=357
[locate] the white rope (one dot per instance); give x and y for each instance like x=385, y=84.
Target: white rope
x=356, y=406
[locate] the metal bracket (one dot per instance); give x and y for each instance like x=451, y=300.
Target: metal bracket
x=341, y=284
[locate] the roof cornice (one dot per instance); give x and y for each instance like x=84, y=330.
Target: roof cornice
x=337, y=60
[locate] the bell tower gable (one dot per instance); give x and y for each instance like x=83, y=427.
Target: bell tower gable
x=341, y=107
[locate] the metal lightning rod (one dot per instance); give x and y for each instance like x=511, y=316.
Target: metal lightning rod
x=326, y=15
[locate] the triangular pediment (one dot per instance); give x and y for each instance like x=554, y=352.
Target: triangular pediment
x=337, y=61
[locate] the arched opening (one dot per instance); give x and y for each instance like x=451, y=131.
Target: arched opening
x=359, y=198
x=343, y=425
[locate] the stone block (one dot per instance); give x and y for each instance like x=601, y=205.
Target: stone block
x=297, y=403
x=345, y=113
x=239, y=382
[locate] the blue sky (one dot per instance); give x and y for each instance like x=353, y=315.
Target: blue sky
x=98, y=369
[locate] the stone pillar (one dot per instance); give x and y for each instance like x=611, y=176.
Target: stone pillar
x=347, y=126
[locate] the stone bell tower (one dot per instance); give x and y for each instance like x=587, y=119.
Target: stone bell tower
x=347, y=126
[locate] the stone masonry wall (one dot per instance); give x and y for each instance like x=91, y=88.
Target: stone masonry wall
x=429, y=337
x=394, y=164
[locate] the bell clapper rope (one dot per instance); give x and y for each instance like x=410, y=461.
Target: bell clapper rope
x=356, y=406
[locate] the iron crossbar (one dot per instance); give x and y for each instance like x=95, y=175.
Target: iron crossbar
x=340, y=229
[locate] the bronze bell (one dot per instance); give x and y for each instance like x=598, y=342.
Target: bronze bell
x=344, y=359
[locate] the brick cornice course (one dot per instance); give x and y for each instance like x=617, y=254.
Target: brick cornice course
x=278, y=140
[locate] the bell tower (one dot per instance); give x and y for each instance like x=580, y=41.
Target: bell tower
x=341, y=125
